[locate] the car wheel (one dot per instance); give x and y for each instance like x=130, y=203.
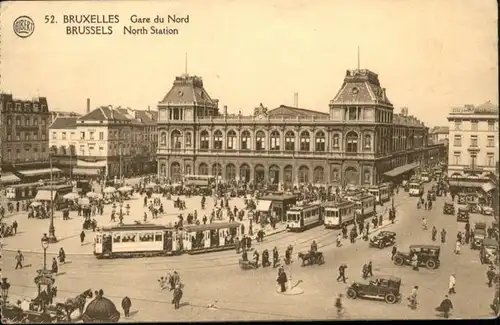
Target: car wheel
x=399, y=261
x=351, y=293
x=390, y=298
x=431, y=265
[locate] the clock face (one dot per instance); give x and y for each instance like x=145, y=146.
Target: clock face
x=261, y=116
x=355, y=90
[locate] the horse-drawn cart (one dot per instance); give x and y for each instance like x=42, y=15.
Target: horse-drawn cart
x=310, y=258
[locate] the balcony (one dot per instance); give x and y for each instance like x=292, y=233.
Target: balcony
x=473, y=148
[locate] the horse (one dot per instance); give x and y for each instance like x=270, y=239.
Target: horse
x=77, y=302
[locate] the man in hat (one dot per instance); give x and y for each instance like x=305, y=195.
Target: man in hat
x=126, y=304
x=177, y=296
x=451, y=284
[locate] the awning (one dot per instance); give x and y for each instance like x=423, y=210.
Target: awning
x=44, y=195
x=9, y=178
x=401, y=169
x=38, y=172
x=264, y=205
x=86, y=171
x=488, y=187
x=466, y=184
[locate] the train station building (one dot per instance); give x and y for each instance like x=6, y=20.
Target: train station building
x=359, y=139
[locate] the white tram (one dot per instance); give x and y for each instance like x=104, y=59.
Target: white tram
x=303, y=217
x=416, y=188
x=136, y=241
x=211, y=237
x=338, y=214
x=365, y=205
x=381, y=192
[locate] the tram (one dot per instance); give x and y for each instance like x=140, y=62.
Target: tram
x=338, y=214
x=212, y=237
x=425, y=176
x=142, y=240
x=365, y=205
x=416, y=188
x=300, y=218
x=350, y=194
x=381, y=192
x=147, y=240
x=22, y=191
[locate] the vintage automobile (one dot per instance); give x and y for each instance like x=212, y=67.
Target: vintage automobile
x=381, y=287
x=310, y=258
x=383, y=239
x=489, y=251
x=463, y=215
x=428, y=256
x=479, y=235
x=486, y=210
x=449, y=208
x=431, y=195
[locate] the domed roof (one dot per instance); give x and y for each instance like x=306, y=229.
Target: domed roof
x=101, y=310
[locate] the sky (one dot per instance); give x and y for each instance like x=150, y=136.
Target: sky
x=430, y=55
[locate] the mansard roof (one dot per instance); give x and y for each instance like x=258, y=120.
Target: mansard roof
x=361, y=86
x=188, y=90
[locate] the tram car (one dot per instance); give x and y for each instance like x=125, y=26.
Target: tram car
x=381, y=192
x=22, y=191
x=365, y=205
x=338, y=214
x=212, y=237
x=300, y=218
x=138, y=240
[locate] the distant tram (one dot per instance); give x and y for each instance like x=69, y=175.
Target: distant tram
x=338, y=214
x=381, y=192
x=146, y=240
x=365, y=205
x=300, y=218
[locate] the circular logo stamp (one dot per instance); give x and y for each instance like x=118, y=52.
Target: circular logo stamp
x=24, y=26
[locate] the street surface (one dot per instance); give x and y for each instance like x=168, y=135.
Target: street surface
x=215, y=278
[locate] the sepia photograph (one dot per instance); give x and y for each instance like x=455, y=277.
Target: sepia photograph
x=229, y=160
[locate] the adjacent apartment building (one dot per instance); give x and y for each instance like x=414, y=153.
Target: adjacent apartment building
x=24, y=128
x=473, y=145
x=105, y=142
x=359, y=140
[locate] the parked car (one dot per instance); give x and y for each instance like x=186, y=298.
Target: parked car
x=428, y=256
x=449, y=208
x=380, y=287
x=383, y=239
x=463, y=215
x=489, y=251
x=479, y=235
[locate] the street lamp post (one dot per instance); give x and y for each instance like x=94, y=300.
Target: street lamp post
x=45, y=244
x=52, y=231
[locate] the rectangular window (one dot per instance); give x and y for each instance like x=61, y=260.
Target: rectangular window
x=473, y=141
x=275, y=143
x=91, y=135
x=82, y=135
x=188, y=140
x=456, y=157
x=101, y=135
x=490, y=159
x=353, y=114
x=458, y=125
x=491, y=126
x=54, y=135
x=491, y=141
x=457, y=141
x=473, y=125
x=63, y=136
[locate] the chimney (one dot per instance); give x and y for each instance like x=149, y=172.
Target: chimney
x=296, y=100
x=149, y=108
x=88, y=105
x=225, y=110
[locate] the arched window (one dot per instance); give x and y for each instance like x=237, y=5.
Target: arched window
x=188, y=139
x=245, y=140
x=290, y=141
x=305, y=140
x=336, y=141
x=175, y=172
x=320, y=142
x=203, y=169
x=204, y=141
x=163, y=139
x=175, y=139
x=304, y=174
x=230, y=172
x=216, y=170
x=275, y=141
x=334, y=175
x=231, y=140
x=245, y=173
x=318, y=175
x=217, y=140
x=368, y=142
x=352, y=142
x=260, y=141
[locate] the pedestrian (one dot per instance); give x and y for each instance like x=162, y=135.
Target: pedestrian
x=445, y=307
x=14, y=227
x=443, y=236
x=126, y=304
x=414, y=261
x=177, y=296
x=364, y=271
x=458, y=244
x=19, y=260
x=339, y=239
x=341, y=276
x=394, y=251
x=451, y=284
x=282, y=279
x=490, y=274
x=434, y=233
x=82, y=237
x=369, y=269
